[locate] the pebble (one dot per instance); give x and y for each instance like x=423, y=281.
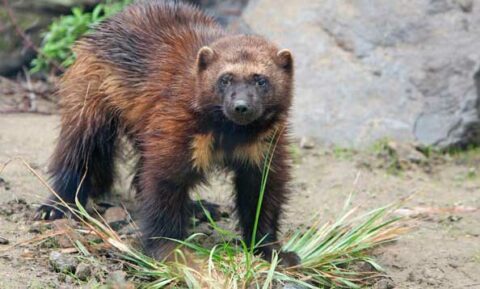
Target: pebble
x=361, y=266
x=385, y=283
x=116, y=217
x=4, y=241
x=307, y=143
x=117, y=276
x=38, y=227
x=62, y=262
x=117, y=279
x=83, y=271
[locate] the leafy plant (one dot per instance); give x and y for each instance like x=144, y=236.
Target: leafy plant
x=64, y=31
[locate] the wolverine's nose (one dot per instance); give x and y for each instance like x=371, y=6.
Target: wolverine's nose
x=241, y=107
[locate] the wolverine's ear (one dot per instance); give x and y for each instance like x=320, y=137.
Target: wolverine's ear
x=285, y=59
x=205, y=56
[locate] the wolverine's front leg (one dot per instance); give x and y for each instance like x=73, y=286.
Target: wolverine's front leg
x=248, y=180
x=164, y=181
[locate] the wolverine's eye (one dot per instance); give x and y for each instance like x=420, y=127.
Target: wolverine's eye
x=225, y=80
x=260, y=80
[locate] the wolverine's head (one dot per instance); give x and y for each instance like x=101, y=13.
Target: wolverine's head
x=246, y=77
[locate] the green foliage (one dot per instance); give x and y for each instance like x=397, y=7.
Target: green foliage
x=343, y=153
x=385, y=150
x=64, y=31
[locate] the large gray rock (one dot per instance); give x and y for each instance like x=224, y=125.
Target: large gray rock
x=368, y=69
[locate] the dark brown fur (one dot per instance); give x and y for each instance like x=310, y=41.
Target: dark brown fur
x=140, y=74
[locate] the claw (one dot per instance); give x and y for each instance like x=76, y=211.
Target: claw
x=47, y=212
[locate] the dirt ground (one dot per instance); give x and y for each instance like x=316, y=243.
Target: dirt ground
x=443, y=251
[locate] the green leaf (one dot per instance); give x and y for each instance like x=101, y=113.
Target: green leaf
x=64, y=31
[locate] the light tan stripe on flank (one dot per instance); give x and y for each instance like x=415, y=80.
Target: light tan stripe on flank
x=202, y=156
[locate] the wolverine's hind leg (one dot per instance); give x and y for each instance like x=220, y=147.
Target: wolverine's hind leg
x=82, y=164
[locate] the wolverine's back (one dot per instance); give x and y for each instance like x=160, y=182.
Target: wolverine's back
x=151, y=35
x=137, y=62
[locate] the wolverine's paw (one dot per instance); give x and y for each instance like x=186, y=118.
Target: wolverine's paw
x=289, y=259
x=49, y=211
x=161, y=250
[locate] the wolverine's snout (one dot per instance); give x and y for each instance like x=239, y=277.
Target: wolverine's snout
x=243, y=105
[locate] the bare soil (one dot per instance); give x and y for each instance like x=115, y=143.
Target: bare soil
x=443, y=251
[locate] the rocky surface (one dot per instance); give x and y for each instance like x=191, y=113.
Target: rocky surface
x=225, y=11
x=369, y=69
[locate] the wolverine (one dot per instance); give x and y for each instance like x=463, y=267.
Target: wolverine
x=191, y=98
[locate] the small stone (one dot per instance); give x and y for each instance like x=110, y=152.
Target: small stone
x=432, y=276
x=385, y=283
x=4, y=241
x=83, y=271
x=61, y=277
x=62, y=262
x=307, y=143
x=361, y=266
x=453, y=218
x=117, y=276
x=6, y=258
x=6, y=211
x=4, y=184
x=453, y=265
x=411, y=277
x=69, y=279
x=117, y=279
x=115, y=217
x=63, y=241
x=38, y=227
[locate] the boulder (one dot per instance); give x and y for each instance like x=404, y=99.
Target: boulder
x=53, y=6
x=224, y=11
x=370, y=69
